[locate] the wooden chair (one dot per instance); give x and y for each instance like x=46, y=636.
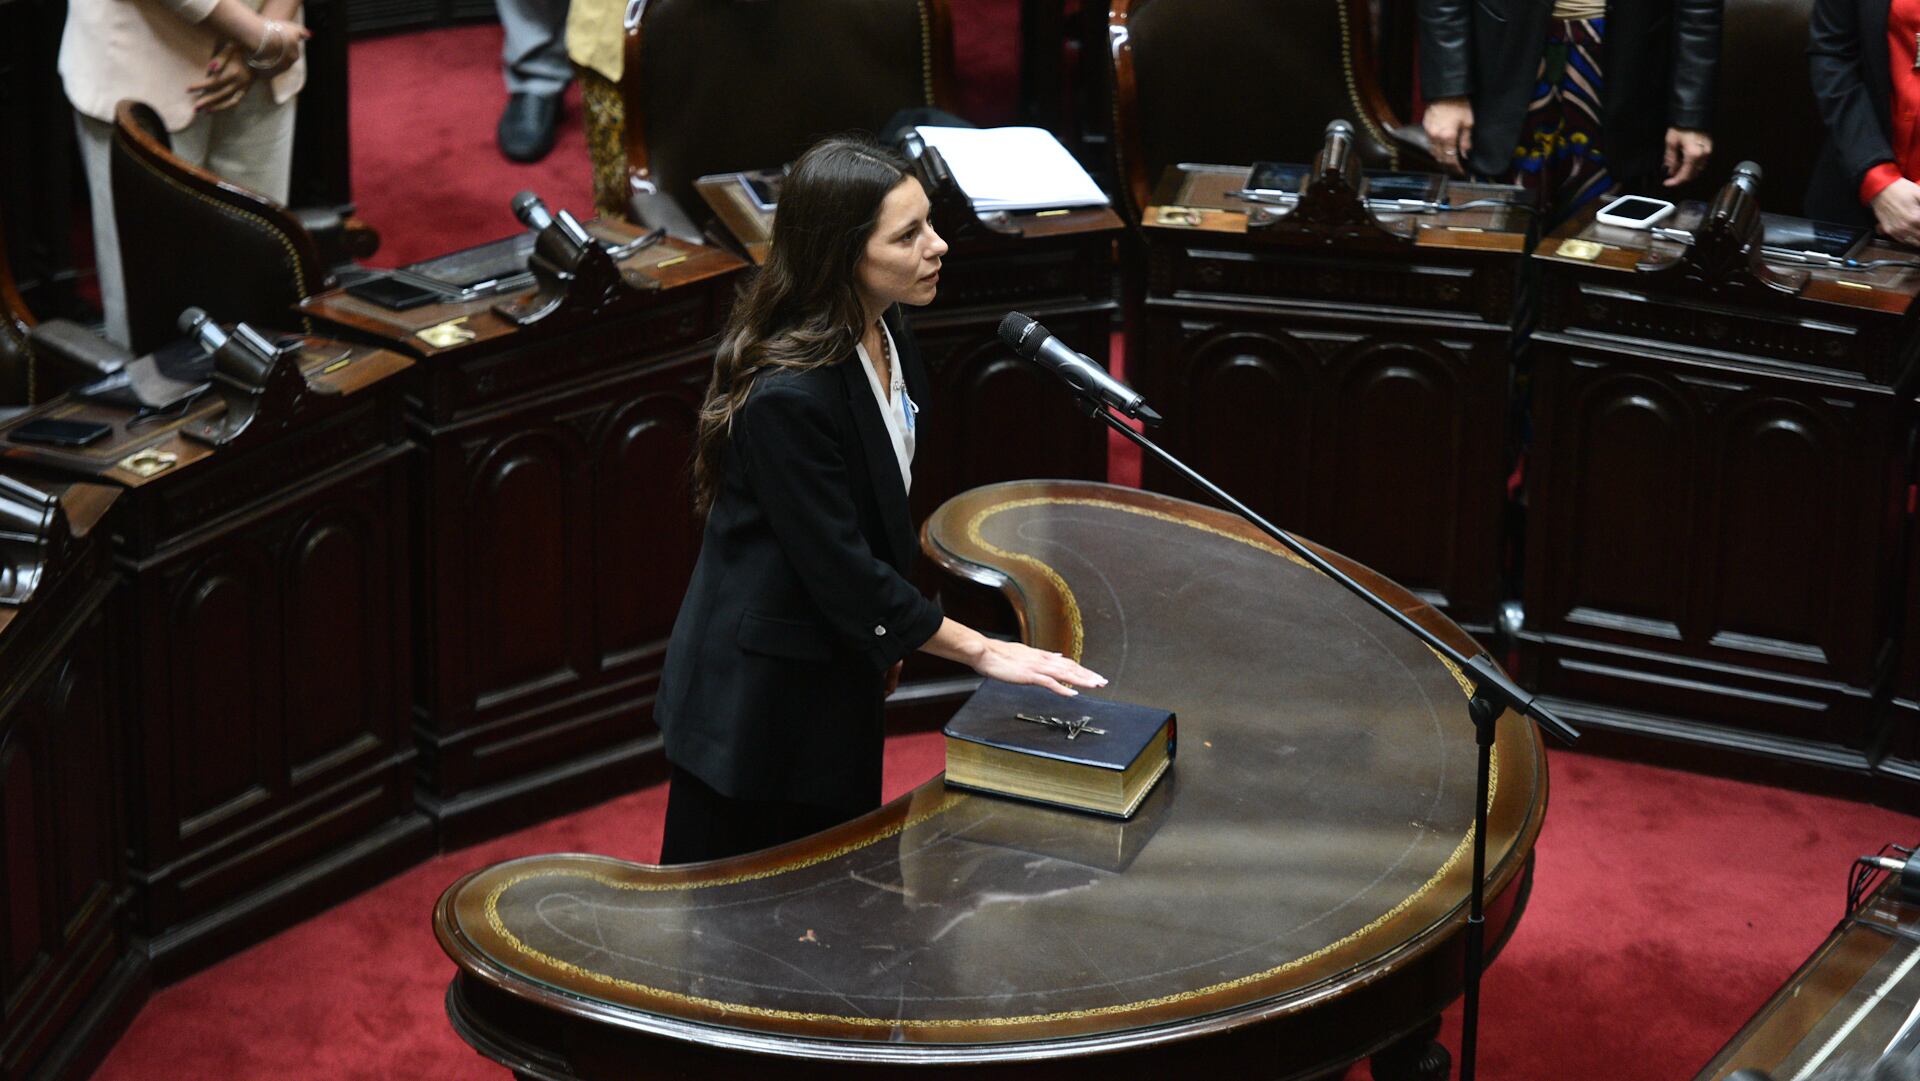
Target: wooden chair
x=1232, y=82
x=189, y=238
x=40, y=360
x=713, y=86
x=16, y=356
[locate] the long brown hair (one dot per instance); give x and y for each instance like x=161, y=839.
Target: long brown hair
x=802, y=310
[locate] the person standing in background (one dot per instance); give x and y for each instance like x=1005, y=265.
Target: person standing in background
x=1863, y=57
x=221, y=74
x=534, y=62
x=596, y=42
x=1572, y=98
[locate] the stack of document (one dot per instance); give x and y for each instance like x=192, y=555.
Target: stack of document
x=1013, y=168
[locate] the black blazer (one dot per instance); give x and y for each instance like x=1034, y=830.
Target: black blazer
x=1847, y=63
x=800, y=601
x=1659, y=62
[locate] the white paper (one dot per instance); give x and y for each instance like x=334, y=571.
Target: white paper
x=1013, y=168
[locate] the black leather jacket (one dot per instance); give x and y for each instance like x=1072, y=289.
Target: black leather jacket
x=1852, y=84
x=1659, y=62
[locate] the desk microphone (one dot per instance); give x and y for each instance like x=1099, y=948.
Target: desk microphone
x=1341, y=130
x=1029, y=339
x=1746, y=177
x=196, y=322
x=533, y=214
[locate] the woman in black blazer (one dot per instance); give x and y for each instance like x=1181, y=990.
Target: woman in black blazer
x=1858, y=178
x=799, y=611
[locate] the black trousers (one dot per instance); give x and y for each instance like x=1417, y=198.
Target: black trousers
x=704, y=824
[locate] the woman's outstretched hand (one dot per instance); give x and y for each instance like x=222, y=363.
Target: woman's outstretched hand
x=1010, y=662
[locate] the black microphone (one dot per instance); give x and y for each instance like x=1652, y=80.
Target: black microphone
x=1029, y=339
x=532, y=212
x=1746, y=177
x=200, y=325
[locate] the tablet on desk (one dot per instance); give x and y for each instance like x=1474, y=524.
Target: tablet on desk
x=1277, y=180
x=1385, y=189
x=1801, y=239
x=763, y=189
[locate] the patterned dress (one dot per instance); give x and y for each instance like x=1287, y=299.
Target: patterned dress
x=1559, y=157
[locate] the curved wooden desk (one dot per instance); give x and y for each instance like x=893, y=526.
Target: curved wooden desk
x=1291, y=899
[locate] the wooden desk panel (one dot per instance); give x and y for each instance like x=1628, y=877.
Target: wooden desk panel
x=1355, y=392
x=70, y=974
x=263, y=625
x=1717, y=484
x=1903, y=714
x=553, y=531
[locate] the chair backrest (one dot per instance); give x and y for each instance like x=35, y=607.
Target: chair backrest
x=714, y=86
x=16, y=355
x=189, y=238
x=1232, y=82
x=1766, y=111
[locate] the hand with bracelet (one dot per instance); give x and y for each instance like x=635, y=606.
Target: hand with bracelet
x=275, y=47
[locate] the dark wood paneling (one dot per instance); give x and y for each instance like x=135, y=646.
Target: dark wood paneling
x=1359, y=401
x=70, y=976
x=562, y=541
x=1729, y=523
x=1716, y=502
x=273, y=672
x=554, y=528
x=1903, y=712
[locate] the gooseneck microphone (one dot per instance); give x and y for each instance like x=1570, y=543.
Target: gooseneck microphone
x=195, y=322
x=200, y=325
x=1029, y=339
x=532, y=212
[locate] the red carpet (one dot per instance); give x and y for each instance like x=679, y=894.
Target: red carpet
x=1666, y=908
x=427, y=175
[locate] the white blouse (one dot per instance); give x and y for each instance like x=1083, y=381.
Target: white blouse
x=896, y=409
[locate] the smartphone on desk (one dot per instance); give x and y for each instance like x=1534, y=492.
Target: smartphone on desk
x=1634, y=212
x=48, y=432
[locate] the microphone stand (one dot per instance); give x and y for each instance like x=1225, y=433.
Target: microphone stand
x=1493, y=691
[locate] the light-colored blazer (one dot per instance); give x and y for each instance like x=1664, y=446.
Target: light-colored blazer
x=147, y=50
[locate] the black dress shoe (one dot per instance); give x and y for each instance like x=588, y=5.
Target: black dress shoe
x=527, y=127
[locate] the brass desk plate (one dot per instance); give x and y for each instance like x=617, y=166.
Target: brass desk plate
x=147, y=463
x=447, y=334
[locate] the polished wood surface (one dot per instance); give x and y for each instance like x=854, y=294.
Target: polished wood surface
x=1322, y=791
x=1346, y=380
x=70, y=974
x=1843, y=1006
x=262, y=645
x=553, y=527
x=1716, y=494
